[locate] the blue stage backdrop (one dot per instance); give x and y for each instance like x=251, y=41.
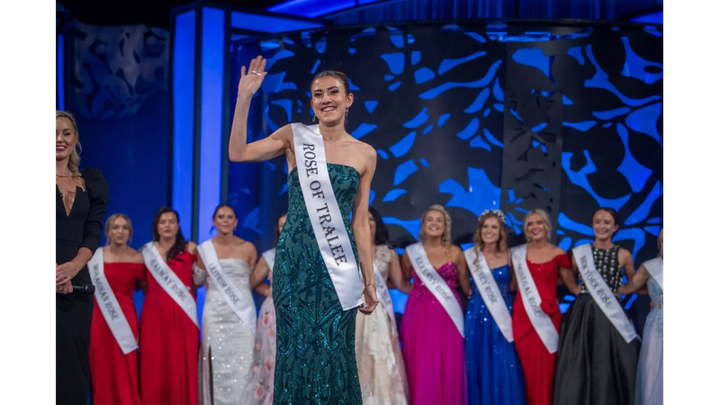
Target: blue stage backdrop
x=517, y=115
x=117, y=88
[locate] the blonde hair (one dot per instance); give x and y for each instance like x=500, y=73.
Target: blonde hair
x=502, y=245
x=446, y=234
x=545, y=218
x=111, y=221
x=74, y=161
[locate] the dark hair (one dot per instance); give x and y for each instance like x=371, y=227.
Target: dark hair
x=613, y=213
x=224, y=205
x=336, y=74
x=179, y=245
x=382, y=236
x=277, y=231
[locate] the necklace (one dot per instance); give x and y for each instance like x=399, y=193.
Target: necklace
x=64, y=176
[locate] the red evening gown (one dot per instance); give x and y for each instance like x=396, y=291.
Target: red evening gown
x=114, y=374
x=169, y=343
x=537, y=363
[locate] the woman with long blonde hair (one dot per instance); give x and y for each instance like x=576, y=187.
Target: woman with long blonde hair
x=537, y=266
x=494, y=373
x=81, y=201
x=433, y=328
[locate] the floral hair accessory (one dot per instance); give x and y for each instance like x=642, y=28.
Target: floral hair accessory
x=495, y=212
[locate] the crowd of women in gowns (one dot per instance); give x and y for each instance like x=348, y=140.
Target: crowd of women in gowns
x=303, y=346
x=490, y=353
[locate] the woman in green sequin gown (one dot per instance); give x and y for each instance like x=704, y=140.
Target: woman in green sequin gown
x=315, y=360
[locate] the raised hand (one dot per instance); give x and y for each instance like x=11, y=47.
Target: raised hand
x=252, y=78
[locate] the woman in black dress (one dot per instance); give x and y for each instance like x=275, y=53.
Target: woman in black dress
x=80, y=206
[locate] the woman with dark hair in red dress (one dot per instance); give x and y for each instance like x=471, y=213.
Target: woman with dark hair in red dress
x=169, y=332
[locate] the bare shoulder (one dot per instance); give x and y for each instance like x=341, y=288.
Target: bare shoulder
x=365, y=149
x=367, y=154
x=246, y=246
x=284, y=132
x=136, y=257
x=558, y=251
x=456, y=252
x=624, y=255
x=191, y=247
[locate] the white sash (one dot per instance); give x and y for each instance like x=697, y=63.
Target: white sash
x=109, y=305
x=488, y=288
x=531, y=300
x=169, y=281
x=436, y=284
x=269, y=256
x=655, y=268
x=324, y=212
x=243, y=307
x=602, y=294
x=383, y=294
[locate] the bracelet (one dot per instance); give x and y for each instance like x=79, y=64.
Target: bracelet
x=371, y=284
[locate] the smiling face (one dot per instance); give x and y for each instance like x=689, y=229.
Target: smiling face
x=120, y=231
x=329, y=100
x=535, y=228
x=66, y=138
x=604, y=225
x=225, y=220
x=433, y=225
x=168, y=225
x=490, y=230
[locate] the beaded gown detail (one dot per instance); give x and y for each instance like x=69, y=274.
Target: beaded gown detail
x=649, y=382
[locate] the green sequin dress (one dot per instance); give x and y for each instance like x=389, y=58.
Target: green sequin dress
x=315, y=360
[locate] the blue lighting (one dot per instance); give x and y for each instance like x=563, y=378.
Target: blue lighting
x=363, y=130
x=479, y=102
x=393, y=194
x=61, y=72
x=395, y=61
x=480, y=192
x=469, y=130
x=403, y=171
x=653, y=18
x=211, y=135
x=403, y=146
x=264, y=23
x=448, y=64
x=311, y=8
x=418, y=120
x=183, y=115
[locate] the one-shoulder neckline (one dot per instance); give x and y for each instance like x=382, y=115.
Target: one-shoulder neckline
x=331, y=164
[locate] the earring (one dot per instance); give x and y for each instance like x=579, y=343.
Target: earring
x=314, y=119
x=346, y=111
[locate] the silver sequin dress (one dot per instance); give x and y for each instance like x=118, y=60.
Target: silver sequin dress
x=226, y=355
